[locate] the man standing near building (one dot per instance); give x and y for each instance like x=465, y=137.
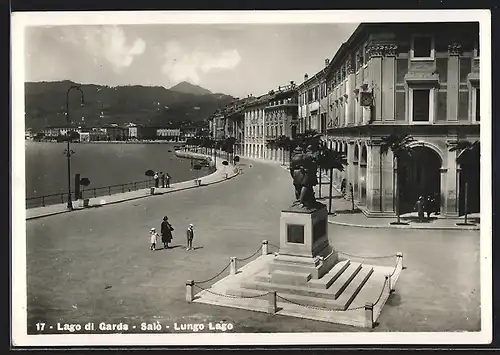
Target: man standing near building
x=162, y=176
x=190, y=236
x=168, y=180
x=156, y=179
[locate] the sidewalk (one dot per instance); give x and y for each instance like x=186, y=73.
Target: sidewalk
x=343, y=215
x=218, y=176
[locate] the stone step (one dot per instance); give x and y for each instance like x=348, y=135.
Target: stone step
x=304, y=301
x=331, y=276
x=341, y=283
x=263, y=276
x=283, y=277
x=357, y=283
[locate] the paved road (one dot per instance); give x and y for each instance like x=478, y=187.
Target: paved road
x=96, y=264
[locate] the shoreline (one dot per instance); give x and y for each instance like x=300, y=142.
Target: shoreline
x=113, y=142
x=221, y=173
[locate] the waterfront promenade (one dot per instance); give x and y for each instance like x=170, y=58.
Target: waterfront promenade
x=95, y=264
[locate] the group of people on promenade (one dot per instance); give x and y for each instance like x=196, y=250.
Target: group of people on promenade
x=166, y=235
x=165, y=179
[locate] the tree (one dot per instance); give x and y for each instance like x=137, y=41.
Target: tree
x=400, y=147
x=284, y=143
x=468, y=152
x=329, y=159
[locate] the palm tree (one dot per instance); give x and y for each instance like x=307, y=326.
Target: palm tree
x=468, y=151
x=400, y=147
x=329, y=159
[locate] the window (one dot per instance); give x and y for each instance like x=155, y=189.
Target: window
x=423, y=47
x=478, y=105
x=421, y=105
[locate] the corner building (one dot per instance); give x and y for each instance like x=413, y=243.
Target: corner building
x=415, y=78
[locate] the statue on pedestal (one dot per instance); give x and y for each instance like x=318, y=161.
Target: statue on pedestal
x=303, y=169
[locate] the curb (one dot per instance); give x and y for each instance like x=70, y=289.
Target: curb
x=388, y=226
x=137, y=197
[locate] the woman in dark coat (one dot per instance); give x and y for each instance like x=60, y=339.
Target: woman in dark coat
x=166, y=232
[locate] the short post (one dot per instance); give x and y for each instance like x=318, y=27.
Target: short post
x=265, y=247
x=226, y=175
x=95, y=193
x=152, y=190
x=109, y=190
x=388, y=281
x=43, y=201
x=272, y=306
x=400, y=256
x=189, y=290
x=232, y=268
x=368, y=315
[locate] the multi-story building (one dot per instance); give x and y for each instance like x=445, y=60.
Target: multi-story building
x=132, y=130
x=172, y=134
x=115, y=132
x=280, y=118
x=254, y=121
x=313, y=102
x=415, y=78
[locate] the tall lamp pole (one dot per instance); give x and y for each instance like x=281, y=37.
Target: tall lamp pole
x=68, y=151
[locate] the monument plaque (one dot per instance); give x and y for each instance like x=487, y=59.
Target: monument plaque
x=295, y=233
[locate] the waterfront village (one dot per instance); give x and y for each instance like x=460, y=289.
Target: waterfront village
x=396, y=116
x=384, y=81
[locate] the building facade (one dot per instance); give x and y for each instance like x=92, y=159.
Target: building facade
x=172, y=134
x=313, y=103
x=418, y=78
x=280, y=119
x=254, y=122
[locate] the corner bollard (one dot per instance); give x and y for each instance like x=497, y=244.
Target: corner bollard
x=232, y=268
x=272, y=306
x=265, y=247
x=189, y=290
x=152, y=191
x=86, y=203
x=369, y=315
x=400, y=256
x=388, y=281
x=226, y=175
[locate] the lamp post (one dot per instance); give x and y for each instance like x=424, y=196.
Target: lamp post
x=68, y=151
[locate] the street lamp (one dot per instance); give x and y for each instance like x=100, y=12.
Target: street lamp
x=68, y=151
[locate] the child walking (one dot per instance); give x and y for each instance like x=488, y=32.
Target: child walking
x=154, y=237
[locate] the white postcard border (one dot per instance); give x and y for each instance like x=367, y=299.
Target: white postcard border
x=19, y=301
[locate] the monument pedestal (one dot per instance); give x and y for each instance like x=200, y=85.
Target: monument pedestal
x=305, y=252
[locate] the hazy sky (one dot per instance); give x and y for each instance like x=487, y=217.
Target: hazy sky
x=232, y=59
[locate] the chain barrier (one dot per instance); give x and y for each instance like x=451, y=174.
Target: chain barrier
x=272, y=245
x=395, y=267
x=213, y=278
x=229, y=296
x=381, y=293
x=366, y=257
x=251, y=256
x=320, y=308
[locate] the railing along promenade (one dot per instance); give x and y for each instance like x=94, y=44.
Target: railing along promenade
x=45, y=200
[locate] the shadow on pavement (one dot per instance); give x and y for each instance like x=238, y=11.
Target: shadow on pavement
x=348, y=211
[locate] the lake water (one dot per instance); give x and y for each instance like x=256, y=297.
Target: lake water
x=104, y=164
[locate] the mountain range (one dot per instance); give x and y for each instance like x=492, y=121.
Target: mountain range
x=45, y=104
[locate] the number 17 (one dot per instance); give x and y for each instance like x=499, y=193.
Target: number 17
x=40, y=327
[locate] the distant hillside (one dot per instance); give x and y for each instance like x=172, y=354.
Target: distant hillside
x=188, y=88
x=46, y=105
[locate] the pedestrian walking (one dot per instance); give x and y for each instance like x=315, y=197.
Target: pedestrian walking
x=166, y=232
x=168, y=177
x=162, y=176
x=190, y=236
x=153, y=238
x=157, y=180
x=419, y=206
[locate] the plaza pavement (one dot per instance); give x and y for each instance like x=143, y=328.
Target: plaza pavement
x=95, y=264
